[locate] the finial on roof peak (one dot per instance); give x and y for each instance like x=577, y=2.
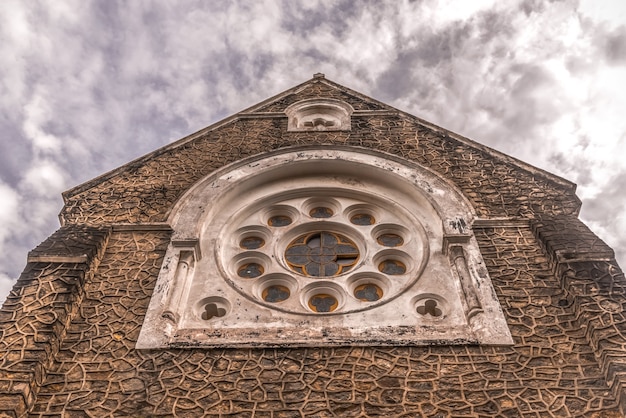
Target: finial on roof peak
x=318, y=75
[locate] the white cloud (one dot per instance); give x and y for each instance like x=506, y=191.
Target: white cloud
x=6, y=284
x=36, y=113
x=449, y=11
x=9, y=211
x=45, y=178
x=612, y=12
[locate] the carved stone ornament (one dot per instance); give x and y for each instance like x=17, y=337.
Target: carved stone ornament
x=322, y=247
x=319, y=115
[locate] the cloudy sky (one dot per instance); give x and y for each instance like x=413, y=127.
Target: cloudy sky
x=86, y=86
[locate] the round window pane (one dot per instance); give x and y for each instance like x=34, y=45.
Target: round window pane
x=392, y=267
x=368, y=292
x=275, y=293
x=252, y=243
x=323, y=302
x=362, y=219
x=321, y=212
x=390, y=240
x=321, y=254
x=279, y=220
x=250, y=270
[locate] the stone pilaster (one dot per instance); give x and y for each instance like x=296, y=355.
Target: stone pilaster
x=588, y=271
x=38, y=310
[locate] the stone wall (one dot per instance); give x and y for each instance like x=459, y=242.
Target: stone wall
x=553, y=370
x=145, y=190
x=69, y=327
x=35, y=317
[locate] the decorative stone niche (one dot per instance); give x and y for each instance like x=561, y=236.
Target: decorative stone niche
x=319, y=115
x=322, y=247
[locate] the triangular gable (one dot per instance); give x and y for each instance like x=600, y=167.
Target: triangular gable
x=410, y=138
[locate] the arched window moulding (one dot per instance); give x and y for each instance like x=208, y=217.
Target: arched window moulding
x=315, y=247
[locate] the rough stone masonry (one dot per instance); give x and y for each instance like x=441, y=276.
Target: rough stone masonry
x=69, y=327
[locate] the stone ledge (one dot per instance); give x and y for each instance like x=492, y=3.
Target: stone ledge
x=501, y=223
x=43, y=258
x=70, y=244
x=567, y=239
x=128, y=227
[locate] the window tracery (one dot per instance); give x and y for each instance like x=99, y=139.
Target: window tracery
x=347, y=241
x=324, y=247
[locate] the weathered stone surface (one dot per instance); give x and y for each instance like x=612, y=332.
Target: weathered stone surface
x=70, y=244
x=357, y=101
x=145, y=190
x=36, y=314
x=68, y=329
x=551, y=371
x=569, y=240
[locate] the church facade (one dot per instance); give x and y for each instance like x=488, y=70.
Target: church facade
x=319, y=254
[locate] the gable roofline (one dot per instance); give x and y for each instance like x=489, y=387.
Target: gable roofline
x=252, y=112
x=467, y=141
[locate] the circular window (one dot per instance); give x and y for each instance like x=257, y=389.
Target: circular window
x=276, y=293
x=334, y=253
x=250, y=270
x=362, y=219
x=321, y=212
x=323, y=302
x=321, y=254
x=389, y=240
x=368, y=292
x=252, y=243
x=279, y=220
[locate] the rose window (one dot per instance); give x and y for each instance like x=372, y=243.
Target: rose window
x=323, y=254
x=322, y=247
